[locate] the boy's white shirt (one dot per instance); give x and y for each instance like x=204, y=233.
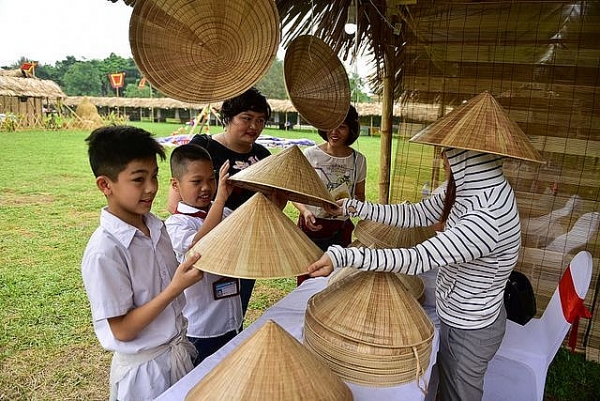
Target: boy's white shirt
x=123, y=269
x=206, y=316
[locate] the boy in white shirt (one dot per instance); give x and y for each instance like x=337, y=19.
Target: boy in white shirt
x=213, y=308
x=131, y=276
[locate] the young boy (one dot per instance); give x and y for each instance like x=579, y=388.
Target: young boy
x=130, y=272
x=214, y=307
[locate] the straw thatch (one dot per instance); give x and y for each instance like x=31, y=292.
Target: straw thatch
x=12, y=83
x=87, y=116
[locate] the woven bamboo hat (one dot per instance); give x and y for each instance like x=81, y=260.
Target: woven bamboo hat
x=381, y=336
x=204, y=50
x=316, y=82
x=384, y=236
x=412, y=284
x=288, y=170
x=482, y=125
x=256, y=241
x=270, y=365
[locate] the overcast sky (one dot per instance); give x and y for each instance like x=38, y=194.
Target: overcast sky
x=50, y=30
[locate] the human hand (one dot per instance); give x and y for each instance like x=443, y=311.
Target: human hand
x=224, y=189
x=322, y=267
x=310, y=221
x=186, y=274
x=335, y=210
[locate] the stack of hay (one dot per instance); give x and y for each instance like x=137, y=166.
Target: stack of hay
x=87, y=116
x=369, y=330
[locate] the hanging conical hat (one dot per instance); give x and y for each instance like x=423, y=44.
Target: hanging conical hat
x=256, y=241
x=204, y=50
x=482, y=125
x=270, y=365
x=384, y=236
x=316, y=82
x=288, y=170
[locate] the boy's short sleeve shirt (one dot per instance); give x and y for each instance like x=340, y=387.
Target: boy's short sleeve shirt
x=123, y=269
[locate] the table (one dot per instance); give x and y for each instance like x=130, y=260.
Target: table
x=289, y=314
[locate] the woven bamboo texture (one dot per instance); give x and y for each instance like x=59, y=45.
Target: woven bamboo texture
x=289, y=171
x=202, y=50
x=316, y=82
x=384, y=236
x=256, y=241
x=380, y=337
x=412, y=284
x=270, y=365
x=480, y=124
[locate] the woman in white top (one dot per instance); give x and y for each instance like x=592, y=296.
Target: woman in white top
x=344, y=172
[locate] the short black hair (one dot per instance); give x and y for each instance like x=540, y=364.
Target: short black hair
x=353, y=125
x=251, y=100
x=183, y=154
x=111, y=148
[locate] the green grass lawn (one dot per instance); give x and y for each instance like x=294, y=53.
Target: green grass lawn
x=49, y=206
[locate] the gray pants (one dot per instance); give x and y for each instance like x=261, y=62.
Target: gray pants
x=463, y=358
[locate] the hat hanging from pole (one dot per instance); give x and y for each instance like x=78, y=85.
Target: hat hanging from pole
x=481, y=124
x=257, y=240
x=204, y=50
x=316, y=82
x=288, y=171
x=270, y=365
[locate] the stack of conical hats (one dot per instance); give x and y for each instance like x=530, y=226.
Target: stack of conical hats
x=383, y=236
x=257, y=240
x=380, y=337
x=288, y=171
x=270, y=365
x=480, y=124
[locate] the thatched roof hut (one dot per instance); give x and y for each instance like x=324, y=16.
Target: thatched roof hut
x=25, y=96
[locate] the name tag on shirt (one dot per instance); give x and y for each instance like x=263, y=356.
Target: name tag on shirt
x=226, y=287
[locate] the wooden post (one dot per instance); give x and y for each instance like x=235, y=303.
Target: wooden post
x=387, y=106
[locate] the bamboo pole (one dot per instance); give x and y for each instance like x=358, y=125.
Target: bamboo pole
x=387, y=108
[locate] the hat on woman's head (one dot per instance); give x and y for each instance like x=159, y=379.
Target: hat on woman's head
x=316, y=82
x=197, y=51
x=353, y=124
x=481, y=124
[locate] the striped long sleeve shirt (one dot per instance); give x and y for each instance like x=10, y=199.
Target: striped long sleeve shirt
x=476, y=252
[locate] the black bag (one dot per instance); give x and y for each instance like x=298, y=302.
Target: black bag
x=519, y=298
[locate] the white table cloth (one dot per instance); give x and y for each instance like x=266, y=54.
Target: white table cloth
x=289, y=314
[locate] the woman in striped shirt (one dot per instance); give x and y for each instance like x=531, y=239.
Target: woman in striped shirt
x=475, y=253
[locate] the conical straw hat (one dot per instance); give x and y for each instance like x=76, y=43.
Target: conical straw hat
x=380, y=337
x=384, y=236
x=256, y=241
x=316, y=82
x=288, y=170
x=482, y=125
x=412, y=284
x=270, y=365
x=204, y=50
x=377, y=310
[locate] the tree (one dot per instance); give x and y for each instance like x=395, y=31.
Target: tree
x=356, y=89
x=82, y=79
x=272, y=84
